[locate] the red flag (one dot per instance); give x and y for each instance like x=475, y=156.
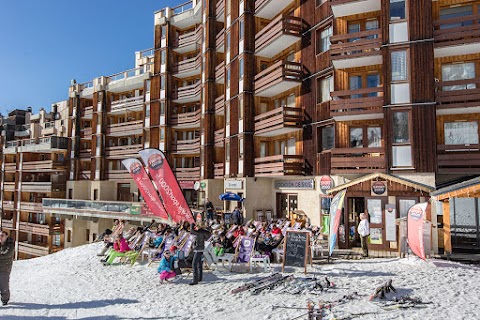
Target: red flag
x=144, y=184
x=167, y=185
x=415, y=222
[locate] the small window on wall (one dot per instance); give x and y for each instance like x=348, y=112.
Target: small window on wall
x=241, y=30
x=405, y=205
x=263, y=149
x=162, y=108
x=374, y=137
x=397, y=9
x=240, y=68
x=463, y=133
x=162, y=133
x=227, y=113
x=227, y=42
x=240, y=148
x=163, y=57
x=456, y=12
x=147, y=86
x=162, y=83
x=164, y=31
x=399, y=65
x=323, y=39
x=356, y=138
x=324, y=87
x=228, y=78
x=328, y=138
x=240, y=108
x=458, y=71
x=401, y=148
x=69, y=236
x=56, y=240
x=227, y=151
x=291, y=57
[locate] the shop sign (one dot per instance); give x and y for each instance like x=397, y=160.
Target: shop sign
x=187, y=184
x=326, y=183
x=390, y=226
x=379, y=188
x=295, y=184
x=233, y=184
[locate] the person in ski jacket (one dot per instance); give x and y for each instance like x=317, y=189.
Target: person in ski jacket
x=209, y=208
x=222, y=245
x=166, y=266
x=6, y=262
x=237, y=216
x=363, y=230
x=201, y=236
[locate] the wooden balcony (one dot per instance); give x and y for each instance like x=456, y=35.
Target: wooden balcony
x=36, y=228
x=10, y=167
x=220, y=73
x=279, y=121
x=85, y=154
x=220, y=41
x=358, y=49
x=218, y=170
x=31, y=249
x=324, y=163
x=358, y=160
x=219, y=136
x=31, y=206
x=220, y=105
x=47, y=165
x=278, y=78
x=456, y=36
x=7, y=224
x=467, y=96
x=87, y=112
x=188, y=68
x=129, y=104
x=458, y=158
x=123, y=152
x=187, y=173
x=188, y=94
x=8, y=205
x=49, y=129
x=84, y=175
x=365, y=102
x=125, y=128
x=86, y=133
x=188, y=41
x=343, y=8
x=278, y=35
x=42, y=187
x=118, y=175
x=186, y=119
x=186, y=146
x=270, y=8
x=220, y=10
x=279, y=165
x=9, y=186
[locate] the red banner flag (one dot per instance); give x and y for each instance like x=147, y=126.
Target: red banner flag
x=415, y=222
x=167, y=185
x=145, y=186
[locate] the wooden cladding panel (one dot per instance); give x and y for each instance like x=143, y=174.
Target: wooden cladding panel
x=422, y=80
x=423, y=147
x=420, y=19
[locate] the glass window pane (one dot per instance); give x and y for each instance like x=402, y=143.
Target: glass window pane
x=458, y=71
x=456, y=12
x=374, y=207
x=355, y=83
x=399, y=65
x=402, y=156
x=328, y=138
x=356, y=138
x=405, y=205
x=397, y=9
x=373, y=81
x=401, y=132
x=325, y=39
x=461, y=132
x=374, y=137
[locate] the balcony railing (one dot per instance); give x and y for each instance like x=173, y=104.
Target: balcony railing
x=220, y=72
x=219, y=136
x=84, y=175
x=324, y=163
x=32, y=249
x=182, y=7
x=45, y=165
x=356, y=49
x=220, y=10
x=188, y=67
x=458, y=158
x=279, y=165
x=466, y=93
x=187, y=119
x=8, y=205
x=9, y=186
x=278, y=78
x=86, y=132
x=278, y=35
x=31, y=206
x=187, y=173
x=125, y=128
x=127, y=74
x=220, y=105
x=86, y=154
x=122, y=152
x=10, y=167
x=188, y=41
x=188, y=93
x=7, y=224
x=218, y=170
x=342, y=8
x=36, y=228
x=279, y=121
x=358, y=160
x=130, y=104
x=357, y=102
x=186, y=146
x=40, y=187
x=49, y=129
x=118, y=175
x=220, y=41
x=87, y=112
x=457, y=31
x=46, y=144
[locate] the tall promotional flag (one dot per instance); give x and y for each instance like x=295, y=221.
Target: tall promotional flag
x=167, y=185
x=335, y=214
x=415, y=222
x=144, y=184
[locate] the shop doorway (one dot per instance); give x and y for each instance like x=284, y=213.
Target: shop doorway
x=286, y=203
x=355, y=206
x=123, y=192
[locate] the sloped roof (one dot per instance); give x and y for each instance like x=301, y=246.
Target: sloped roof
x=469, y=187
x=384, y=176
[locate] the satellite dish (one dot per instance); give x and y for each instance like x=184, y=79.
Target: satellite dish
x=196, y=186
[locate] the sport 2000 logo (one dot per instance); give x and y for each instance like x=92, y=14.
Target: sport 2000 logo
x=135, y=167
x=416, y=214
x=155, y=161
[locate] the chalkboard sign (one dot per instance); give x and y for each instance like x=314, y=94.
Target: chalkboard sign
x=296, y=249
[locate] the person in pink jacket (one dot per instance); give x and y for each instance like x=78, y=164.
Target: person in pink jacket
x=120, y=246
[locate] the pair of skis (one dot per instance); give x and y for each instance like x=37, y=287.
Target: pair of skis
x=381, y=291
x=258, y=283
x=272, y=285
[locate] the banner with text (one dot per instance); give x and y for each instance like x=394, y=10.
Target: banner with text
x=167, y=185
x=335, y=215
x=145, y=186
x=415, y=222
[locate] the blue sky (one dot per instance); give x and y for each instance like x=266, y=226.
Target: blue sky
x=46, y=43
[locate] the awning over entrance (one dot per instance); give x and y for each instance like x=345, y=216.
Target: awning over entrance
x=465, y=189
x=386, y=177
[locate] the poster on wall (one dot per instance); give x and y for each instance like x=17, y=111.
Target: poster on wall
x=390, y=227
x=374, y=207
x=376, y=236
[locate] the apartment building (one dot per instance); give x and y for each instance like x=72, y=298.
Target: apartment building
x=34, y=168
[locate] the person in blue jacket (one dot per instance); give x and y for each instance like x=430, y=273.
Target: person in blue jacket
x=166, y=266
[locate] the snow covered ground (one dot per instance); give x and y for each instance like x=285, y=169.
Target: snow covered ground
x=73, y=284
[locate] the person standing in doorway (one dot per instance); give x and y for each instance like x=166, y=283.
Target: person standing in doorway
x=364, y=231
x=209, y=208
x=6, y=262
x=201, y=236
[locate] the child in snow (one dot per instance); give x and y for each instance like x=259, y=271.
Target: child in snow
x=166, y=266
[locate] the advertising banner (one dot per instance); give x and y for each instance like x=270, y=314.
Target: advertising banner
x=335, y=214
x=167, y=185
x=415, y=222
x=145, y=186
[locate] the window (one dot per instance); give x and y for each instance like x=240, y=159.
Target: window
x=456, y=12
x=95, y=194
x=163, y=57
x=241, y=30
x=162, y=83
x=323, y=40
x=70, y=193
x=240, y=148
x=263, y=149
x=328, y=138
x=355, y=83
x=373, y=81
x=356, y=138
x=401, y=148
x=227, y=151
x=374, y=137
x=291, y=149
x=162, y=108
x=401, y=132
x=324, y=87
x=228, y=6
x=164, y=31
x=228, y=77
x=227, y=42
x=240, y=108
x=147, y=86
x=399, y=65
x=69, y=236
x=397, y=9
x=227, y=113
x=162, y=133
x=56, y=240
x=147, y=110
x=240, y=68
x=461, y=132
x=404, y=206
x=458, y=71
x=291, y=101
x=291, y=57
